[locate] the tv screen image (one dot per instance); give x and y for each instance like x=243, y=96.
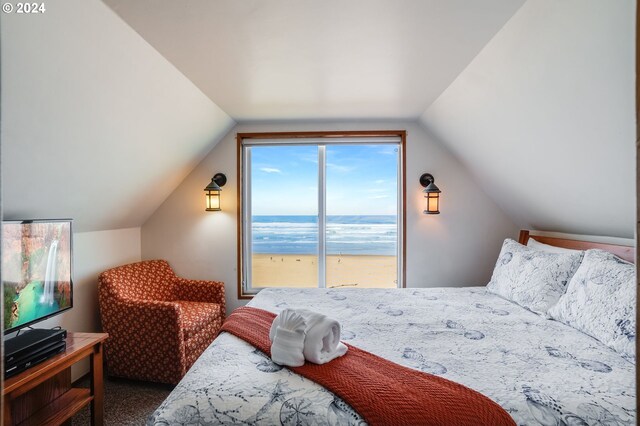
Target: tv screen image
x=36, y=270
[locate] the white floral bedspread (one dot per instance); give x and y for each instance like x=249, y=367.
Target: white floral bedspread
x=539, y=370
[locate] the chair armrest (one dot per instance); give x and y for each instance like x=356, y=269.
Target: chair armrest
x=146, y=339
x=144, y=307
x=154, y=318
x=200, y=291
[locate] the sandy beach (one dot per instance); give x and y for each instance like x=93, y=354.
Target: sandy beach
x=301, y=270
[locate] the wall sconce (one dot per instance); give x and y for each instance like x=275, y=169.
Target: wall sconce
x=431, y=194
x=212, y=192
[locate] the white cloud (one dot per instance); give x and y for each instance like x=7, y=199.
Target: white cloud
x=336, y=167
x=388, y=151
x=379, y=181
x=309, y=158
x=270, y=170
x=377, y=197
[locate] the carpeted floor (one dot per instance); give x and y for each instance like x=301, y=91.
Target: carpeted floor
x=126, y=402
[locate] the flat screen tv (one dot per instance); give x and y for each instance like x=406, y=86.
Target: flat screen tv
x=36, y=270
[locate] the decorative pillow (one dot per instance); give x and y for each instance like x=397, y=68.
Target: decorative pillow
x=600, y=301
x=532, y=278
x=551, y=249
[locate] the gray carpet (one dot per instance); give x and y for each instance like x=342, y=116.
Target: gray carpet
x=126, y=402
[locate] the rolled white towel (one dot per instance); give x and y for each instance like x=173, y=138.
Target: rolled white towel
x=299, y=334
x=287, y=335
x=322, y=338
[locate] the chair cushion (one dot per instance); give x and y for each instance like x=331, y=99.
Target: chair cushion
x=201, y=323
x=195, y=346
x=200, y=316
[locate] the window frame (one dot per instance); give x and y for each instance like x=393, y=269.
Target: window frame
x=243, y=176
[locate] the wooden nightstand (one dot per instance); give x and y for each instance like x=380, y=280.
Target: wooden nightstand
x=43, y=395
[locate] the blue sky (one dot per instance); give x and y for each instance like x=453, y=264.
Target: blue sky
x=361, y=180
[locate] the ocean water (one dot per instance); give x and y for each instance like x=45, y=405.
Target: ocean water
x=345, y=234
x=30, y=305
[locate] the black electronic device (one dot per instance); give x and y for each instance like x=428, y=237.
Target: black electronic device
x=31, y=342
x=36, y=352
x=36, y=270
x=36, y=357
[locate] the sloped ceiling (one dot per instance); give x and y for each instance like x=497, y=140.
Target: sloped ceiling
x=544, y=117
x=96, y=124
x=101, y=124
x=309, y=59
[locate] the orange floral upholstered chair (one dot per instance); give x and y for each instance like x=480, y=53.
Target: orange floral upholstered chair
x=158, y=323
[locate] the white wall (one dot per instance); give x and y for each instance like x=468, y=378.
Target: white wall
x=93, y=252
x=455, y=248
x=96, y=124
x=544, y=117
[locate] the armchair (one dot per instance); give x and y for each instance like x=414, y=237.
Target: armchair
x=158, y=323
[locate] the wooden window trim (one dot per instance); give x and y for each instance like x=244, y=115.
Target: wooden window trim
x=240, y=137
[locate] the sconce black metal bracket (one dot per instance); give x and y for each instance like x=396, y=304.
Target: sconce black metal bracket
x=220, y=179
x=426, y=179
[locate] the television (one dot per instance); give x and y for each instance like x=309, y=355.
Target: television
x=36, y=270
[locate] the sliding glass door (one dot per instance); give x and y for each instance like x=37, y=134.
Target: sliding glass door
x=282, y=233
x=362, y=216
x=321, y=214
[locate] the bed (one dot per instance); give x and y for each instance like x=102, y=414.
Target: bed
x=539, y=370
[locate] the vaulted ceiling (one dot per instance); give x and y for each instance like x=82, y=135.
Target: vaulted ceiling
x=544, y=117
x=309, y=59
x=96, y=125
x=111, y=104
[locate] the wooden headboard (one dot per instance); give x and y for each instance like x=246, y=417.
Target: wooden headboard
x=624, y=252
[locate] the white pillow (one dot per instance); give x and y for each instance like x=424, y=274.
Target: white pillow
x=534, y=279
x=546, y=247
x=601, y=301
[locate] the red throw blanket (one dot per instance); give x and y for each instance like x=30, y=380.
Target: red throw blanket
x=382, y=392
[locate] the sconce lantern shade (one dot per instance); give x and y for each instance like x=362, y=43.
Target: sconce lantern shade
x=212, y=192
x=431, y=194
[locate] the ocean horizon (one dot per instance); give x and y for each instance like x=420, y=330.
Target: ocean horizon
x=346, y=234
